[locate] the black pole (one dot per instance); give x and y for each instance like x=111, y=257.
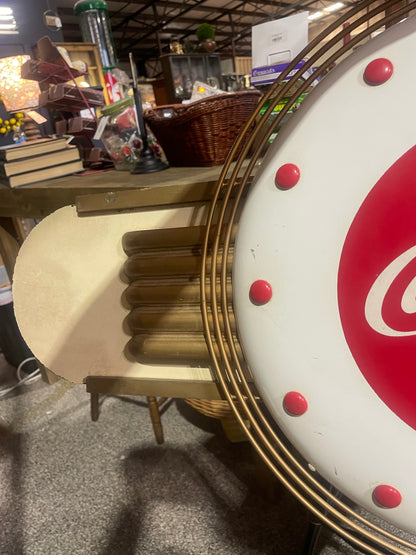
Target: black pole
x=148, y=161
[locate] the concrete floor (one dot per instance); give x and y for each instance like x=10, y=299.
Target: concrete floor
x=70, y=486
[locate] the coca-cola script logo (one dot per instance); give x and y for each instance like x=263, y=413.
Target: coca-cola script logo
x=377, y=288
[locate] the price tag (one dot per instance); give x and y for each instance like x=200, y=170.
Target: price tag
x=100, y=128
x=38, y=118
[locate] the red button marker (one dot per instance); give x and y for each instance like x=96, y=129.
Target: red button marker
x=378, y=72
x=295, y=403
x=260, y=292
x=387, y=496
x=287, y=176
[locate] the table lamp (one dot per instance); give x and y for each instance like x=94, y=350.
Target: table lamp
x=18, y=95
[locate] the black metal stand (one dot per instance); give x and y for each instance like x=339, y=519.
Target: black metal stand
x=148, y=161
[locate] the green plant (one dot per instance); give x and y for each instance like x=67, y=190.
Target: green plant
x=205, y=31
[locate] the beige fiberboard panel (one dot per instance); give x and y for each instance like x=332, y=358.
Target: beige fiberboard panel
x=68, y=293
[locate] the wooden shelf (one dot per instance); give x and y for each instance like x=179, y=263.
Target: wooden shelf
x=87, y=52
x=46, y=72
x=69, y=98
x=60, y=90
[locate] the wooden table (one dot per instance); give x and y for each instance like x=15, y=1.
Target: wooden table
x=98, y=192
x=40, y=199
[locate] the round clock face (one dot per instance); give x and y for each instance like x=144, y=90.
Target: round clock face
x=324, y=284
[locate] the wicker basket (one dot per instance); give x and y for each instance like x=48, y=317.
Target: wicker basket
x=212, y=408
x=201, y=133
x=222, y=411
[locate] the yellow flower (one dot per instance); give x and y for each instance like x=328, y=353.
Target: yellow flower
x=3, y=130
x=12, y=121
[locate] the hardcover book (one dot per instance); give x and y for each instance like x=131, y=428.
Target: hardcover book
x=32, y=163
x=43, y=174
x=31, y=148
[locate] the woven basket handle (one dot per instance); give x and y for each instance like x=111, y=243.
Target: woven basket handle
x=168, y=112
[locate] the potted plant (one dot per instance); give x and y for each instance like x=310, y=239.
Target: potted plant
x=205, y=34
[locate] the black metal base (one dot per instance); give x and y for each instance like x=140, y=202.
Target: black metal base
x=149, y=163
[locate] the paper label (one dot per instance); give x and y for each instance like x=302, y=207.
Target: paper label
x=38, y=118
x=100, y=128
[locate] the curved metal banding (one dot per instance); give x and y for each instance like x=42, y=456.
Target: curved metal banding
x=303, y=481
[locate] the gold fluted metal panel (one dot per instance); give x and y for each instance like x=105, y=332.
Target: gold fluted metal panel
x=159, y=317
x=168, y=291
x=165, y=321
x=174, y=348
x=164, y=263
x=163, y=239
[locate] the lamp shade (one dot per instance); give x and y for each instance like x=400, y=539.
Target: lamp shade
x=15, y=92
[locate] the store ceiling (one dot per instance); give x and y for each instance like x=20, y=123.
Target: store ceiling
x=146, y=27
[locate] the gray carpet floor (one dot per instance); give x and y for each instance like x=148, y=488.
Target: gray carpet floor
x=70, y=486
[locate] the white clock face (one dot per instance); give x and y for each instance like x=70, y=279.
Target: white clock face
x=324, y=282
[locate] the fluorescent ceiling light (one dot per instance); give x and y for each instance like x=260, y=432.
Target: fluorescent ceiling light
x=6, y=16
x=315, y=15
x=326, y=11
x=334, y=7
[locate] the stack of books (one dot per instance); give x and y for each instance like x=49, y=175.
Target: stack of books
x=37, y=160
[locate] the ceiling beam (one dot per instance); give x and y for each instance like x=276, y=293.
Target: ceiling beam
x=148, y=28
x=159, y=26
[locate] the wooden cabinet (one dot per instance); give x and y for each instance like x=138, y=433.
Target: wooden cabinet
x=180, y=71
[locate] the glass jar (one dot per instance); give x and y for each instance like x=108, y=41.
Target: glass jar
x=121, y=136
